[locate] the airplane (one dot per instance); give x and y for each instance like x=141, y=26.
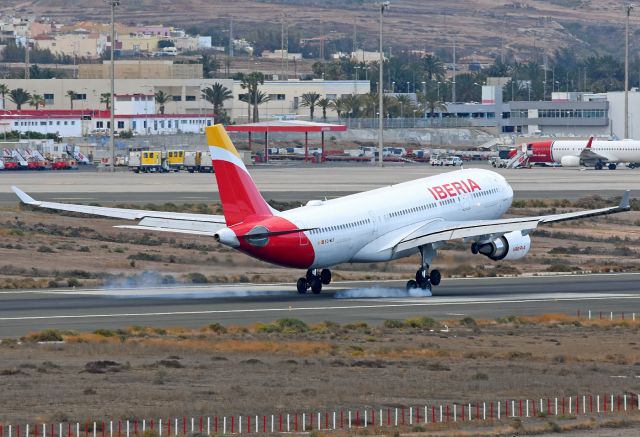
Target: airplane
x=383, y=224
x=596, y=153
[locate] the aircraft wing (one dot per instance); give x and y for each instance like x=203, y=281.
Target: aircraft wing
x=487, y=230
x=161, y=221
x=588, y=155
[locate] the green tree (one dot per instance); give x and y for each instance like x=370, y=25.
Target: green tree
x=310, y=100
x=217, y=94
x=405, y=104
x=210, y=65
x=36, y=100
x=324, y=103
x=162, y=99
x=433, y=68
x=431, y=104
x=72, y=96
x=19, y=97
x=340, y=106
x=257, y=98
x=251, y=82
x=105, y=99
x=4, y=90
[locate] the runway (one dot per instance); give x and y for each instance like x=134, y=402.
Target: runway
x=298, y=183
x=372, y=302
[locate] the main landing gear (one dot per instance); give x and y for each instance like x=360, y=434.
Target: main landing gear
x=315, y=279
x=425, y=279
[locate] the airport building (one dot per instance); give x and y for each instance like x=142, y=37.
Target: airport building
x=285, y=96
x=566, y=114
x=134, y=112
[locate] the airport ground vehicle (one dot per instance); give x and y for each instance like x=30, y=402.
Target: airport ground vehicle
x=436, y=160
x=175, y=159
x=149, y=161
x=453, y=161
x=198, y=161
x=414, y=217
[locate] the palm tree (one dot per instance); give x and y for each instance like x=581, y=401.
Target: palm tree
x=250, y=82
x=433, y=68
x=310, y=100
x=105, y=98
x=20, y=97
x=432, y=104
x=72, y=96
x=257, y=98
x=339, y=105
x=405, y=103
x=4, y=90
x=217, y=94
x=162, y=99
x=324, y=104
x=36, y=100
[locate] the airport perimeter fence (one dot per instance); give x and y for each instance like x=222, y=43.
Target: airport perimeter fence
x=406, y=417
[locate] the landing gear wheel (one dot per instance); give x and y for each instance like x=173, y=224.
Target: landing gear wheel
x=422, y=279
x=612, y=166
x=598, y=166
x=302, y=285
x=435, y=277
x=411, y=285
x=325, y=276
x=310, y=275
x=316, y=285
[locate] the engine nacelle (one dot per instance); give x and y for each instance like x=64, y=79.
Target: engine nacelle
x=570, y=161
x=510, y=246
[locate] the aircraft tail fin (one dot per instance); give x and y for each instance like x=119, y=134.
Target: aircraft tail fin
x=239, y=195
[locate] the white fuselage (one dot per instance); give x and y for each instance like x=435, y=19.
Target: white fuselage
x=360, y=227
x=613, y=151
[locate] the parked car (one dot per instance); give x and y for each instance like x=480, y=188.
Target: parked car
x=454, y=161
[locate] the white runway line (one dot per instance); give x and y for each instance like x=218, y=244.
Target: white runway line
x=427, y=302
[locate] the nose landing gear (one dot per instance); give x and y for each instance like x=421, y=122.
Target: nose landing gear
x=314, y=279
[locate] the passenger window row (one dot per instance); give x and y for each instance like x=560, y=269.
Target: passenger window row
x=485, y=192
x=341, y=227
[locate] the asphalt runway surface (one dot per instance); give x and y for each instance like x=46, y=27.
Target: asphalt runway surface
x=25, y=311
x=298, y=183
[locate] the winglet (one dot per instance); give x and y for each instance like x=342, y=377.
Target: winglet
x=24, y=197
x=625, y=202
x=590, y=142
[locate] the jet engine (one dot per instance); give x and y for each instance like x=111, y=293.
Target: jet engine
x=510, y=246
x=570, y=161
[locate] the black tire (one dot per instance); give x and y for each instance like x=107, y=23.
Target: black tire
x=421, y=277
x=411, y=285
x=598, y=166
x=302, y=285
x=316, y=285
x=435, y=277
x=310, y=276
x=612, y=166
x=325, y=276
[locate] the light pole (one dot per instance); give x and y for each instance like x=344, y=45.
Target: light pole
x=424, y=88
x=113, y=4
x=438, y=83
x=408, y=88
x=383, y=7
x=628, y=9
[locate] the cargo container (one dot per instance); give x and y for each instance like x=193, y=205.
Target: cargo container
x=200, y=162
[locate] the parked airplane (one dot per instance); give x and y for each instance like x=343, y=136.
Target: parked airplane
x=594, y=153
x=380, y=225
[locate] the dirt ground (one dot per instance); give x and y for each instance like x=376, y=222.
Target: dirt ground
x=289, y=367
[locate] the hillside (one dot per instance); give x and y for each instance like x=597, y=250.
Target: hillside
x=483, y=27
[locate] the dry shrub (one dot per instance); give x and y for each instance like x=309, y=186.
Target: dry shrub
x=90, y=337
x=300, y=348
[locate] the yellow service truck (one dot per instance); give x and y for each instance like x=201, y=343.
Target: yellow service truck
x=148, y=161
x=175, y=159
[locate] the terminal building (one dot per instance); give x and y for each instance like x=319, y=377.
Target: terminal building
x=566, y=114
